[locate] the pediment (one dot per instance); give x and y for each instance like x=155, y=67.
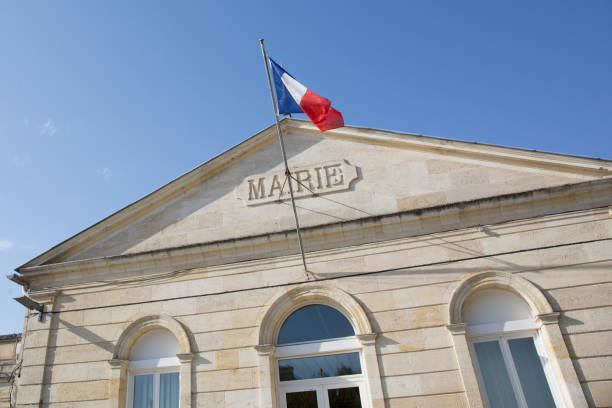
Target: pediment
x=345, y=174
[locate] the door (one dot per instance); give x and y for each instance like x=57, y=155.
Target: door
x=330, y=395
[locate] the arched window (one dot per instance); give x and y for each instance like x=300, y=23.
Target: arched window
x=153, y=371
x=319, y=360
x=512, y=366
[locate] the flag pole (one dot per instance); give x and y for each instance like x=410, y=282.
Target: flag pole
x=282, y=145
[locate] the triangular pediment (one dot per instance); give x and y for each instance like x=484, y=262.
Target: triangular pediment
x=345, y=174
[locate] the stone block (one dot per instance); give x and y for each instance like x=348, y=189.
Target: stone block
x=247, y=357
x=79, y=391
x=85, y=335
x=376, y=301
x=421, y=201
x=415, y=318
x=180, y=307
x=225, y=380
x=418, y=362
x=208, y=322
x=29, y=394
x=422, y=384
x=96, y=316
x=80, y=353
x=204, y=361
x=582, y=297
x=594, y=368
x=238, y=338
x=569, y=276
x=413, y=340
x=209, y=341
x=586, y=320
x=227, y=359
x=420, y=296
x=598, y=393
x=79, y=404
x=246, y=281
x=436, y=166
x=242, y=399
x=210, y=399
x=456, y=400
x=590, y=344
x=80, y=372
x=31, y=375
x=245, y=318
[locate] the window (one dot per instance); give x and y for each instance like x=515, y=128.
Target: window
x=319, y=361
x=153, y=380
x=512, y=367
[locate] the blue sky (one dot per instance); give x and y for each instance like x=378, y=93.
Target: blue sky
x=103, y=102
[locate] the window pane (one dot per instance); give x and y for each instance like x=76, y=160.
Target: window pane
x=495, y=375
x=169, y=390
x=530, y=372
x=332, y=365
x=143, y=391
x=302, y=399
x=344, y=398
x=314, y=322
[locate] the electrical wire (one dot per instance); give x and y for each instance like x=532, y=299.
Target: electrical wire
x=332, y=278
x=317, y=195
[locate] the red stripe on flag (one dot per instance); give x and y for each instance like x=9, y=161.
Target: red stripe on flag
x=320, y=112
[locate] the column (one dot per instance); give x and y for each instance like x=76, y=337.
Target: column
x=560, y=360
x=35, y=349
x=186, y=360
x=370, y=359
x=117, y=383
x=265, y=376
x=466, y=368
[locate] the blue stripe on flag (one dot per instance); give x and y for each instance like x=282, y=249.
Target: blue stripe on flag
x=286, y=103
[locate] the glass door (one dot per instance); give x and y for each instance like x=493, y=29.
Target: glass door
x=346, y=396
x=343, y=395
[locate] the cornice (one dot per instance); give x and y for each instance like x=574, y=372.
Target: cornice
x=534, y=158
x=331, y=237
x=587, y=167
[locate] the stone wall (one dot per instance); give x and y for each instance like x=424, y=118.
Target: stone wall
x=403, y=285
x=8, y=359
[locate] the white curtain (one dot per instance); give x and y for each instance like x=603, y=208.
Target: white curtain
x=169, y=390
x=143, y=391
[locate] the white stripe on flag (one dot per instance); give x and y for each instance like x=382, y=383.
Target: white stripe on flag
x=296, y=89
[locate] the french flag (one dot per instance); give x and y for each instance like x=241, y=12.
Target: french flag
x=293, y=97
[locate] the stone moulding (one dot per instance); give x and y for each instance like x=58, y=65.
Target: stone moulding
x=288, y=300
x=406, y=224
x=498, y=154
x=133, y=330
x=143, y=324
x=560, y=362
x=522, y=287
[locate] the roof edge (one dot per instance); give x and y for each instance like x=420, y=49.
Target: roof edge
x=593, y=166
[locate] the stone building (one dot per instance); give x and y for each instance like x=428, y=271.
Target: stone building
x=440, y=274
x=8, y=359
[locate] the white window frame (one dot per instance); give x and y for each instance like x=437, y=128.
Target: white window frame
x=156, y=367
x=502, y=338
x=321, y=385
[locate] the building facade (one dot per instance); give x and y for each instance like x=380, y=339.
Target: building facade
x=439, y=274
x=8, y=360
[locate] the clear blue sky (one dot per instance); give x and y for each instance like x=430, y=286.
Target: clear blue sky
x=103, y=102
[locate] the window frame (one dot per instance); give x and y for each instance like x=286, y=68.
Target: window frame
x=340, y=345
x=156, y=367
x=502, y=339
x=321, y=388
